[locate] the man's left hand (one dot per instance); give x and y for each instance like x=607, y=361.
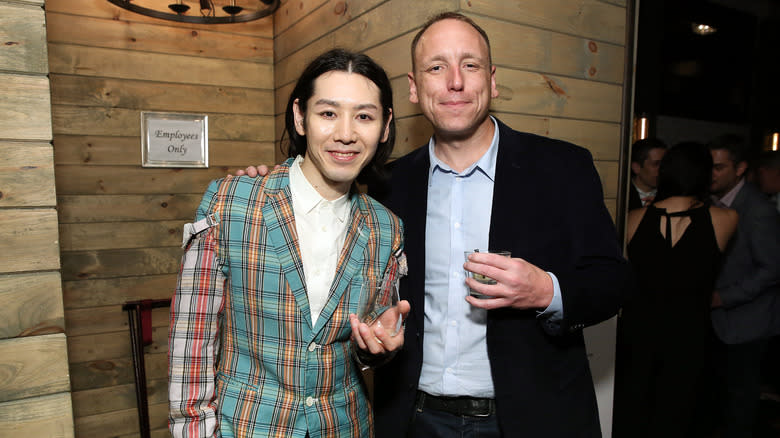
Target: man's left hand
x=520, y=285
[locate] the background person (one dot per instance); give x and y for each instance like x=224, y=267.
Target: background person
x=745, y=300
x=675, y=244
x=646, y=155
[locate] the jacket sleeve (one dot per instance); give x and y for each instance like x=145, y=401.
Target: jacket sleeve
x=597, y=279
x=761, y=230
x=193, y=343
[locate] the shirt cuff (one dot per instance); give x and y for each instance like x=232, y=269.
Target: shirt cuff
x=553, y=314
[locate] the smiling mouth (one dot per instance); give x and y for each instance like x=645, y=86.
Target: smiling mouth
x=343, y=156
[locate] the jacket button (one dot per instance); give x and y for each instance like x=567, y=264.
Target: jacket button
x=310, y=401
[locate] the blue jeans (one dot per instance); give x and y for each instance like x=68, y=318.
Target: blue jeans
x=429, y=423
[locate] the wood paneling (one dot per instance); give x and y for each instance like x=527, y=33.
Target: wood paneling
x=319, y=22
x=116, y=291
x=47, y=416
x=557, y=96
x=107, y=150
x=26, y=175
x=24, y=38
x=168, y=68
x=135, y=94
x=107, y=235
x=114, y=423
x=117, y=398
x=25, y=107
x=376, y=26
x=291, y=11
x=143, y=37
x=34, y=383
x=585, y=18
x=394, y=55
x=31, y=304
x=33, y=366
x=81, y=120
x=111, y=345
x=113, y=180
x=107, y=319
x=28, y=240
x=552, y=52
x=119, y=208
x=102, y=373
x=82, y=265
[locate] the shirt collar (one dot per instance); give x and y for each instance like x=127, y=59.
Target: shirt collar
x=486, y=164
x=307, y=197
x=729, y=197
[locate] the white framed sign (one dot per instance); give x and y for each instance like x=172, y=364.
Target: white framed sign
x=174, y=140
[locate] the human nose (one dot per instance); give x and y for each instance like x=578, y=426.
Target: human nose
x=456, y=79
x=345, y=130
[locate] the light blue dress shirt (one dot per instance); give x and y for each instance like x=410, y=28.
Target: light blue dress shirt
x=455, y=361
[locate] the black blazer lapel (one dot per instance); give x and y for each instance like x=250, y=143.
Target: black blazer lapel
x=409, y=201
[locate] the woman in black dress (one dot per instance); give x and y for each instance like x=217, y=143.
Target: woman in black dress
x=675, y=245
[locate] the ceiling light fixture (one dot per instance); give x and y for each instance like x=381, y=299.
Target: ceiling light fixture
x=201, y=11
x=703, y=29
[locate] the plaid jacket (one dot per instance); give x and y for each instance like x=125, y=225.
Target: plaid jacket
x=244, y=358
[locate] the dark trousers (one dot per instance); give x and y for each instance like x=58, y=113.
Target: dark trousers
x=735, y=387
x=431, y=423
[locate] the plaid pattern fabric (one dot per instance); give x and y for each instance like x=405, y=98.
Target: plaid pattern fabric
x=244, y=358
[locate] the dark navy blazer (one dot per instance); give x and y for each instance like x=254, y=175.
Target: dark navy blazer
x=548, y=208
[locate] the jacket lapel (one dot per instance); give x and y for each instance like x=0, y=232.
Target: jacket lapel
x=283, y=240
x=514, y=167
x=413, y=206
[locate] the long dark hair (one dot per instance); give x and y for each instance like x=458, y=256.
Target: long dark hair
x=686, y=170
x=350, y=62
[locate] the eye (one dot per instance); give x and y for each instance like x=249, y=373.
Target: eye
x=471, y=66
x=435, y=68
x=328, y=114
x=367, y=117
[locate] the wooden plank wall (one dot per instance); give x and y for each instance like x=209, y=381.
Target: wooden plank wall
x=35, y=395
x=120, y=224
x=559, y=63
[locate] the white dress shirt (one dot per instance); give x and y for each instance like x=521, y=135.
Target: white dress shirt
x=322, y=229
x=455, y=359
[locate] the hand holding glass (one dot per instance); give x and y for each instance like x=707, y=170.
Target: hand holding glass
x=484, y=279
x=378, y=305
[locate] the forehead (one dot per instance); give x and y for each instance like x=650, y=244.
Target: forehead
x=720, y=156
x=341, y=86
x=451, y=37
x=656, y=154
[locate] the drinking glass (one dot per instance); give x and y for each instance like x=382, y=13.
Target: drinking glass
x=484, y=279
x=378, y=305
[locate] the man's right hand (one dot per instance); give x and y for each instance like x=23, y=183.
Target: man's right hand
x=253, y=172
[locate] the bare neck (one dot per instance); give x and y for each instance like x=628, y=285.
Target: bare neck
x=674, y=204
x=460, y=152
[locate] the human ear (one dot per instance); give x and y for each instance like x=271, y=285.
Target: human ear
x=386, y=134
x=412, y=88
x=298, y=114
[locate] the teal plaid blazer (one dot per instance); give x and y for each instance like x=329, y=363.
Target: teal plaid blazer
x=244, y=358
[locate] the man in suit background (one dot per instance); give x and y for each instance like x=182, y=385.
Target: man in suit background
x=513, y=364
x=646, y=156
x=745, y=301
x=261, y=320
